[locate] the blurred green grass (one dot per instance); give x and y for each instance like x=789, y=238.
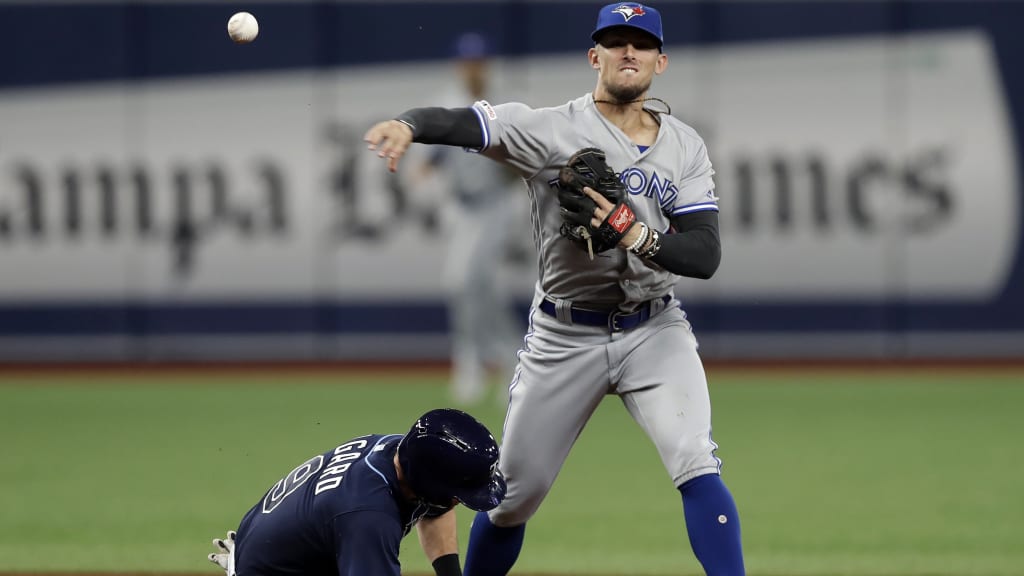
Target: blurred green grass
x=835, y=472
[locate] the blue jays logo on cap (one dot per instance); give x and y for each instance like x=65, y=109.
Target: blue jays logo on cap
x=629, y=14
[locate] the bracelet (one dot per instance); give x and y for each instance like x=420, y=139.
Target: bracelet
x=408, y=123
x=640, y=240
x=653, y=247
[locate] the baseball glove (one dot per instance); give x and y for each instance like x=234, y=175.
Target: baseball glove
x=588, y=167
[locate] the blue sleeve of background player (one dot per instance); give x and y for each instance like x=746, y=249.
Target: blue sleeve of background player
x=366, y=542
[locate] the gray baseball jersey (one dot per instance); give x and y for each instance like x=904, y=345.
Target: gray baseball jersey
x=671, y=177
x=565, y=369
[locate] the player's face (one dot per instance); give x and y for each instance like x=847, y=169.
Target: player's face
x=626, y=60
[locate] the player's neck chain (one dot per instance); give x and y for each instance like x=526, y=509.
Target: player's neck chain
x=667, y=110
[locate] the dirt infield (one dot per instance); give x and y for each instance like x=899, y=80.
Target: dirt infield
x=192, y=574
x=441, y=368
x=93, y=573
x=215, y=573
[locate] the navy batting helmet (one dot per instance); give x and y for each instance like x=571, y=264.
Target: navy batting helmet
x=449, y=454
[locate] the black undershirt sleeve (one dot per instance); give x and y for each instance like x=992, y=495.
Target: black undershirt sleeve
x=693, y=249
x=451, y=126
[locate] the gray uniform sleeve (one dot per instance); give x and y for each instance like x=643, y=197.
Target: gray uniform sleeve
x=696, y=187
x=518, y=135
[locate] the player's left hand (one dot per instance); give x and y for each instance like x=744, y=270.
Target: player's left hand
x=225, y=557
x=604, y=207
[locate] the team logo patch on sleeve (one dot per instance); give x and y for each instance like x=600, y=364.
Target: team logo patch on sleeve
x=488, y=110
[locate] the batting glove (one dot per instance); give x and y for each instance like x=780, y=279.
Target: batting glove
x=226, y=557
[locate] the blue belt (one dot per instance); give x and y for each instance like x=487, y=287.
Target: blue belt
x=614, y=320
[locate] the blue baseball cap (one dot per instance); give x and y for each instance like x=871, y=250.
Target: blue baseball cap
x=630, y=14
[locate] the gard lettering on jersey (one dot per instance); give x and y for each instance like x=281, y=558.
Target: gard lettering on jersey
x=339, y=463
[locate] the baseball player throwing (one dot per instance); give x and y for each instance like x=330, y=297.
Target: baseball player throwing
x=344, y=512
x=624, y=202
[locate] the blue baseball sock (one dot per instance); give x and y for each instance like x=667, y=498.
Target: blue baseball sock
x=492, y=550
x=713, y=525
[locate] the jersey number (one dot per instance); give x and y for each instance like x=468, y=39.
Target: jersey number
x=291, y=482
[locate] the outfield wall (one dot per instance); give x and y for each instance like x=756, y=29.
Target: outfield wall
x=166, y=194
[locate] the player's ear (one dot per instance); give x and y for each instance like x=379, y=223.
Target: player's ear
x=661, y=64
x=592, y=56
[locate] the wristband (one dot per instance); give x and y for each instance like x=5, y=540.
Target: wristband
x=447, y=565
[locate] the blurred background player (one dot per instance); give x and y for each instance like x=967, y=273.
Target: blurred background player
x=483, y=213
x=345, y=512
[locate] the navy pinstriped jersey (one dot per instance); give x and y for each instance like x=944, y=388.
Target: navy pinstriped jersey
x=336, y=514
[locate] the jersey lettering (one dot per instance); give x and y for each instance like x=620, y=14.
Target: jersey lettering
x=637, y=182
x=338, y=465
x=291, y=482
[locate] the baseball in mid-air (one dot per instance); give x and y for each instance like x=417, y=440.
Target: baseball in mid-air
x=243, y=27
